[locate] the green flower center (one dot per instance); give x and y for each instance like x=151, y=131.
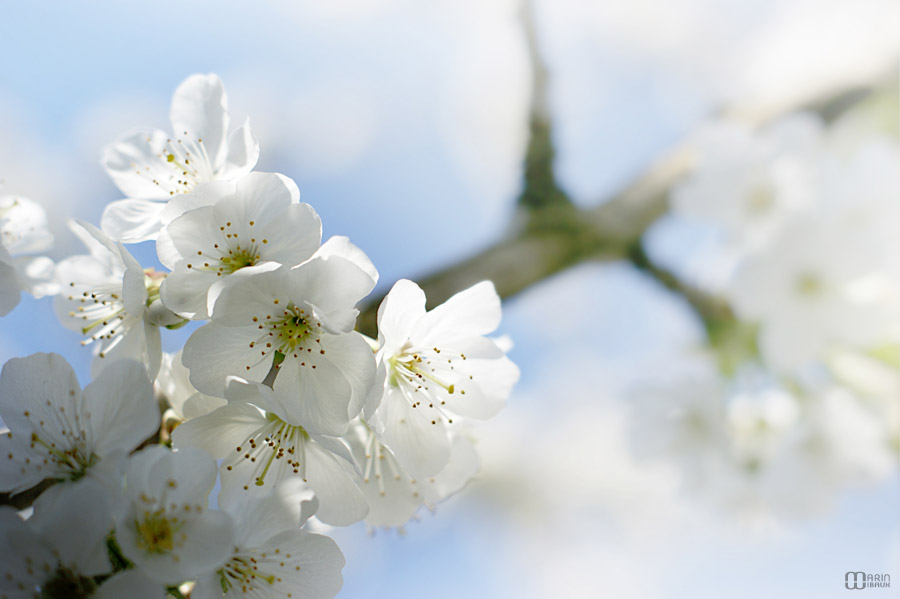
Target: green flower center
x=158, y=532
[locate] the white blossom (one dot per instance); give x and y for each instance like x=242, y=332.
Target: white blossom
x=809, y=291
x=393, y=495
x=56, y=555
x=260, y=221
x=262, y=447
x=272, y=556
x=791, y=456
x=108, y=297
x=748, y=182
x=151, y=166
x=56, y=431
x=305, y=314
x=166, y=528
x=173, y=383
x=432, y=367
x=23, y=232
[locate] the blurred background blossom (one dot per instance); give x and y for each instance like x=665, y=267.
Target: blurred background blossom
x=715, y=415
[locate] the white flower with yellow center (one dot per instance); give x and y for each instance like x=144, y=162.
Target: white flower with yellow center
x=165, y=527
x=110, y=299
x=272, y=556
x=57, y=556
x=261, y=221
x=263, y=447
x=304, y=317
x=434, y=367
x=151, y=166
x=393, y=495
x=23, y=231
x=58, y=432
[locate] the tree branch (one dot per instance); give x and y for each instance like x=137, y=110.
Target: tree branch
x=610, y=230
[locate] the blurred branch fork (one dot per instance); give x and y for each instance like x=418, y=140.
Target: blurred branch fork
x=550, y=234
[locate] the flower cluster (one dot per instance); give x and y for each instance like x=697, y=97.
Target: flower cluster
x=275, y=395
x=808, y=401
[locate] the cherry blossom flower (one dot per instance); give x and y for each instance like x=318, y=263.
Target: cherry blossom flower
x=392, y=494
x=23, y=231
x=58, y=432
x=166, y=528
x=433, y=367
x=55, y=555
x=792, y=455
x=111, y=299
x=262, y=446
x=808, y=291
x=749, y=182
x=260, y=221
x=273, y=557
x=151, y=166
x=304, y=315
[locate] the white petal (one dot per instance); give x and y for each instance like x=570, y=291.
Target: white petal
x=220, y=431
x=334, y=286
x=422, y=448
x=392, y=494
x=184, y=291
x=132, y=584
x=249, y=292
x=121, y=407
x=132, y=221
x=262, y=196
x=213, y=352
x=79, y=541
x=319, y=559
x=294, y=235
x=34, y=384
x=100, y=245
x=200, y=108
x=475, y=311
x=463, y=465
x=333, y=480
x=398, y=313
x=37, y=275
x=23, y=556
x=243, y=152
x=140, y=341
x=24, y=226
x=376, y=391
x=317, y=399
x=194, y=230
x=341, y=247
x=260, y=518
x=205, y=193
x=485, y=394
x=16, y=474
x=352, y=355
x=10, y=292
x=135, y=165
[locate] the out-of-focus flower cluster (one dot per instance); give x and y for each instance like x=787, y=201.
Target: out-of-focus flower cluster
x=805, y=399
x=276, y=396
